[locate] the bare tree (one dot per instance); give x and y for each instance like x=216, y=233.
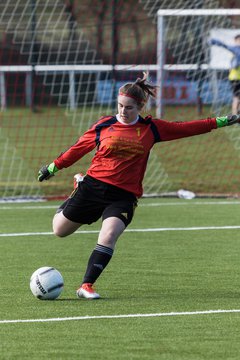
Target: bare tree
x=70, y=6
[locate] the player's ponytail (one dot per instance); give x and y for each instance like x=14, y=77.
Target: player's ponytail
x=140, y=90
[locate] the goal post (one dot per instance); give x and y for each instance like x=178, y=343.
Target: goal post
x=182, y=17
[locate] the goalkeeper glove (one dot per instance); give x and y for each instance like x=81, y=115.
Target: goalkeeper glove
x=46, y=172
x=227, y=120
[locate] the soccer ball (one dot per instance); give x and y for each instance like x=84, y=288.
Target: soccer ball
x=46, y=283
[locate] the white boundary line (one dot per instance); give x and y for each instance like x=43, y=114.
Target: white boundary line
x=190, y=202
x=124, y=316
x=196, y=228
x=175, y=203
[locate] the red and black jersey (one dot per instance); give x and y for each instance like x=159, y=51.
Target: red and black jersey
x=122, y=151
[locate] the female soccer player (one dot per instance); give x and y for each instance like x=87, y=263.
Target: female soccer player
x=113, y=182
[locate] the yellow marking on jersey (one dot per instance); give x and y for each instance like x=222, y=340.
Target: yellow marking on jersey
x=125, y=215
x=138, y=131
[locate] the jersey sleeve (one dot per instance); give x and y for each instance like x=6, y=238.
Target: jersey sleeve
x=84, y=145
x=220, y=43
x=177, y=130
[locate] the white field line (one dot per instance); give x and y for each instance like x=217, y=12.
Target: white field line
x=28, y=207
x=180, y=203
x=190, y=202
x=196, y=228
x=124, y=316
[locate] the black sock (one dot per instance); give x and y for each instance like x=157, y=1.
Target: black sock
x=97, y=262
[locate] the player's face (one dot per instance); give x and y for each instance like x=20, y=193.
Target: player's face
x=127, y=109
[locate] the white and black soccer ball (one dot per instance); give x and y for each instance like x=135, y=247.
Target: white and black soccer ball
x=46, y=283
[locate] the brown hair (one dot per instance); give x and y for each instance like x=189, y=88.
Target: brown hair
x=140, y=90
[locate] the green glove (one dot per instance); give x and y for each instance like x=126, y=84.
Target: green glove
x=227, y=120
x=46, y=172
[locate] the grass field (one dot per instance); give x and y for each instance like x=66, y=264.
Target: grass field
x=171, y=291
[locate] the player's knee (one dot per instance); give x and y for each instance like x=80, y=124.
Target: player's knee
x=59, y=232
x=59, y=226
x=63, y=227
x=108, y=233
x=108, y=237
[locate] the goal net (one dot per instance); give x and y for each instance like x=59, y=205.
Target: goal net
x=62, y=63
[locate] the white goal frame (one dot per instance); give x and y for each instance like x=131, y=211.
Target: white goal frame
x=161, y=66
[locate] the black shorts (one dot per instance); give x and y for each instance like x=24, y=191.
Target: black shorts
x=93, y=199
x=236, y=88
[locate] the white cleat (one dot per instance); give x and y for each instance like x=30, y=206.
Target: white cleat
x=86, y=291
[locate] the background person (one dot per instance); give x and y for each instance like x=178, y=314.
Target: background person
x=234, y=72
